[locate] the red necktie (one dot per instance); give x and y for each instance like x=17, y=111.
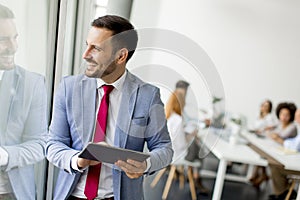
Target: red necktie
x=92, y=181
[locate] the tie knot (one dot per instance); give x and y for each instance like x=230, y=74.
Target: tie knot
x=107, y=88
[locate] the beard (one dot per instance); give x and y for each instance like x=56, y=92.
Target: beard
x=7, y=62
x=95, y=70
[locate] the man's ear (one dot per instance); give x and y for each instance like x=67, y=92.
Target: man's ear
x=121, y=56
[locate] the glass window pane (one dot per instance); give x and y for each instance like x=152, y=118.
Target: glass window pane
x=101, y=3
x=23, y=98
x=100, y=11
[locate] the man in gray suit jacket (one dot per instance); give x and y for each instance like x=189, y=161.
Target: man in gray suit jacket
x=23, y=118
x=135, y=118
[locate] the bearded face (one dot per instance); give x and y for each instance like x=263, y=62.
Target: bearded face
x=8, y=44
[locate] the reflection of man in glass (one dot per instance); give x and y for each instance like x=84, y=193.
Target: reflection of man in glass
x=22, y=117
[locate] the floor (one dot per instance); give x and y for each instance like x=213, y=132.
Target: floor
x=231, y=190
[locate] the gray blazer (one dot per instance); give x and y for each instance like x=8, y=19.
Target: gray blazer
x=140, y=120
x=23, y=127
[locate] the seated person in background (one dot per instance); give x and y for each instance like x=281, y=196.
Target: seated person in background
x=265, y=121
x=175, y=124
x=181, y=140
x=286, y=128
x=285, y=112
x=182, y=87
x=279, y=175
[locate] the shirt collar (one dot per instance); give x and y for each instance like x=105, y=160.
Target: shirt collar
x=118, y=84
x=1, y=74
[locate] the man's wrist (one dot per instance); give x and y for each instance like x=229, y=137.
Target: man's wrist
x=74, y=164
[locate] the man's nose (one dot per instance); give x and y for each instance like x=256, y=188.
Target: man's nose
x=87, y=53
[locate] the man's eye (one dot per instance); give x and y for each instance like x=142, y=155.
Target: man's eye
x=97, y=48
x=93, y=47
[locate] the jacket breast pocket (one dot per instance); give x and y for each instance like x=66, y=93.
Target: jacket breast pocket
x=141, y=121
x=138, y=126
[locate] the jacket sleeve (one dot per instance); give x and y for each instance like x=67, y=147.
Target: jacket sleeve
x=157, y=135
x=58, y=149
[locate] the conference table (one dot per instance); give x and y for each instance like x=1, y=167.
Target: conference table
x=289, y=160
x=226, y=152
x=218, y=143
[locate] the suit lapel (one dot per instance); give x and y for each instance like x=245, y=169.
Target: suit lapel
x=84, y=107
x=127, y=105
x=9, y=86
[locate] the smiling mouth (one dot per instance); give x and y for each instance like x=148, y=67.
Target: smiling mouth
x=7, y=59
x=90, y=62
x=91, y=66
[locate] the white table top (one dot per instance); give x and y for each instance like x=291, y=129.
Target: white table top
x=222, y=149
x=272, y=148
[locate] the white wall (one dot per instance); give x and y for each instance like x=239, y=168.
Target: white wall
x=254, y=44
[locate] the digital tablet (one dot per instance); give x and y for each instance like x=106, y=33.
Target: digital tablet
x=109, y=154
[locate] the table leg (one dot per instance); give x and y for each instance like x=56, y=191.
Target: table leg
x=220, y=180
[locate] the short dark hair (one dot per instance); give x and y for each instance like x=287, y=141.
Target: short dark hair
x=124, y=33
x=6, y=13
x=182, y=84
x=290, y=106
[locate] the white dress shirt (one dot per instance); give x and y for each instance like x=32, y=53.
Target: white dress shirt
x=105, y=189
x=3, y=153
x=1, y=74
x=177, y=134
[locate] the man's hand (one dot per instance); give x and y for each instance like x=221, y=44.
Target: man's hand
x=132, y=168
x=83, y=163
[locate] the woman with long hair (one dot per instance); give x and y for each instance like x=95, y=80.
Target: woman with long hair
x=174, y=109
x=183, y=148
x=265, y=121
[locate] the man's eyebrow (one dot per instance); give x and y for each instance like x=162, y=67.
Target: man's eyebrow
x=97, y=46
